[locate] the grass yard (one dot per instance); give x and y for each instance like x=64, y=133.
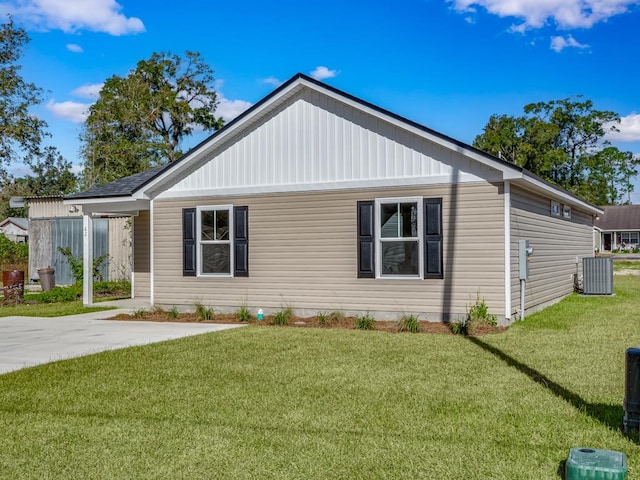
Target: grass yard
x=290, y=403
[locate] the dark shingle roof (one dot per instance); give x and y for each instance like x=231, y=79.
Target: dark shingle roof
x=619, y=217
x=122, y=187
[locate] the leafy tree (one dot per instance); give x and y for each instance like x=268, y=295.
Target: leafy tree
x=140, y=120
x=52, y=175
x=20, y=131
x=563, y=142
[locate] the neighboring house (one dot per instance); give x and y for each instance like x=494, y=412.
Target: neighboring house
x=318, y=200
x=54, y=225
x=618, y=227
x=15, y=229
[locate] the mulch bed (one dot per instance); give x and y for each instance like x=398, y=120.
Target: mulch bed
x=301, y=322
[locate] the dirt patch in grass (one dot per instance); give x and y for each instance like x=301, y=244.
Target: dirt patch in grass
x=348, y=323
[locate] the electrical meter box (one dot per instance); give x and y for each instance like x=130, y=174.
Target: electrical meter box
x=524, y=252
x=594, y=464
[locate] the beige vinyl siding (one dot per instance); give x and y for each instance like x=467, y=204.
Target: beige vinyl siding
x=120, y=248
x=557, y=243
x=141, y=255
x=51, y=207
x=302, y=252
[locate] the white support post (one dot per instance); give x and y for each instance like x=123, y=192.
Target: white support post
x=87, y=274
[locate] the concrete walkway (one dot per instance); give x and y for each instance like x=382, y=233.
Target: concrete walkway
x=29, y=341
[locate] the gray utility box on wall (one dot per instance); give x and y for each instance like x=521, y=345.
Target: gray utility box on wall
x=597, y=275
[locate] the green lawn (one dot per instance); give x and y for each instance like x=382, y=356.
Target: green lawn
x=48, y=309
x=290, y=403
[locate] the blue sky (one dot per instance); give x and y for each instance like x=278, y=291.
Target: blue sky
x=447, y=64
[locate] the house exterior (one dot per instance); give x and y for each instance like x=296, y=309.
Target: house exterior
x=618, y=228
x=320, y=201
x=54, y=225
x=15, y=229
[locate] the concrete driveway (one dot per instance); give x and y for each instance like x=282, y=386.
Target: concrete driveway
x=29, y=341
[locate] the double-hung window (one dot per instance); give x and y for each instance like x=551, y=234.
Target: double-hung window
x=215, y=254
x=400, y=238
x=398, y=227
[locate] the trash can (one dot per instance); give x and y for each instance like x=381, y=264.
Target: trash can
x=47, y=278
x=13, y=286
x=631, y=420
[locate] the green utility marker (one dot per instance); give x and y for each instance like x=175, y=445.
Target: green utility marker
x=593, y=464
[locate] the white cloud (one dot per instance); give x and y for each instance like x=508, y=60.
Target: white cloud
x=230, y=109
x=73, y=15
x=72, y=47
x=560, y=43
x=628, y=129
x=272, y=81
x=74, y=111
x=320, y=73
x=91, y=91
x=565, y=14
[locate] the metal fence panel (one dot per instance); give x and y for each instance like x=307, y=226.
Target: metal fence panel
x=67, y=232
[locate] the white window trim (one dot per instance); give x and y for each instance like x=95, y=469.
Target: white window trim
x=199, y=255
x=566, y=211
x=379, y=240
x=555, y=208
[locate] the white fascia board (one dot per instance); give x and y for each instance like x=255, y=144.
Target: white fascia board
x=109, y=204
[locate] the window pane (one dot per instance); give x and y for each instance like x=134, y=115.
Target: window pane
x=216, y=258
x=389, y=220
x=206, y=225
x=409, y=220
x=222, y=224
x=400, y=258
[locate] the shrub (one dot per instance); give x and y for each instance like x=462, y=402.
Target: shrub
x=173, y=313
x=477, y=314
x=243, y=314
x=409, y=323
x=204, y=313
x=13, y=255
x=117, y=289
x=61, y=294
x=76, y=264
x=365, y=322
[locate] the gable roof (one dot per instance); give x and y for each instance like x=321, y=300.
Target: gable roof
x=619, y=217
x=20, y=222
x=146, y=185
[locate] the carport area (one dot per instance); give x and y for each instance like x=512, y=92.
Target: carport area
x=30, y=341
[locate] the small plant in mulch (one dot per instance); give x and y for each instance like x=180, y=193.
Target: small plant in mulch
x=204, y=313
x=409, y=323
x=243, y=314
x=365, y=322
x=478, y=319
x=284, y=316
x=172, y=313
x=139, y=313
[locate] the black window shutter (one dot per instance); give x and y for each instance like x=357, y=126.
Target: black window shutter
x=189, y=254
x=241, y=241
x=433, y=238
x=366, y=240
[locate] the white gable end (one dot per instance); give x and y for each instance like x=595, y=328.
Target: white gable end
x=315, y=142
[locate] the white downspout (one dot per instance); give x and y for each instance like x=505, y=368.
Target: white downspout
x=151, y=287
x=507, y=250
x=87, y=254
